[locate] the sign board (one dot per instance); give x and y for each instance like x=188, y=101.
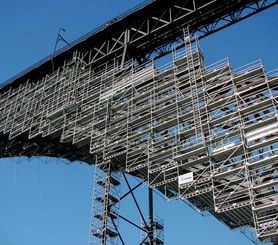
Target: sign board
x=185, y=178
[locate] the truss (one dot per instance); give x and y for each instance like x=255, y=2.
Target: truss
x=147, y=32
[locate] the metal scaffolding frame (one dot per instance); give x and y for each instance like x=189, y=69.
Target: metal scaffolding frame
x=105, y=206
x=105, y=215
x=207, y=134
x=203, y=134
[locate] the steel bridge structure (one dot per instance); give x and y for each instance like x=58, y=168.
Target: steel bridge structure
x=205, y=134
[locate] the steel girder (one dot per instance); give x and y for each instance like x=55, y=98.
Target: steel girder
x=147, y=32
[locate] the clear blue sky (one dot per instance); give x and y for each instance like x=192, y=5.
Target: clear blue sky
x=50, y=203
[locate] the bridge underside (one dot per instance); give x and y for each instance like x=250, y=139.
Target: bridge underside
x=41, y=146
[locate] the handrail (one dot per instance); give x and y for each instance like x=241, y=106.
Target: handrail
x=248, y=67
x=216, y=65
x=272, y=73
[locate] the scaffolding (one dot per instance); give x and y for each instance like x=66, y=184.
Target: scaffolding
x=207, y=134
x=157, y=237
x=105, y=206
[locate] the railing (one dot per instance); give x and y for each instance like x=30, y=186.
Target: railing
x=248, y=67
x=221, y=63
x=272, y=74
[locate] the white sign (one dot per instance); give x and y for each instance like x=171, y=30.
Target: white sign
x=185, y=178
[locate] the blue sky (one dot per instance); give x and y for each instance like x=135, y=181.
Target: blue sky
x=50, y=203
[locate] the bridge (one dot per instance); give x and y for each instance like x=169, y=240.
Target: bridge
x=207, y=134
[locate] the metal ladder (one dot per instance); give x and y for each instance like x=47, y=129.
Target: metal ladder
x=105, y=206
x=193, y=87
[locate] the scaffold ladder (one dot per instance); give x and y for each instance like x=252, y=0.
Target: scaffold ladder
x=105, y=206
x=193, y=87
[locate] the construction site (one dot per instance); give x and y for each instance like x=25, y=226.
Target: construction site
x=206, y=134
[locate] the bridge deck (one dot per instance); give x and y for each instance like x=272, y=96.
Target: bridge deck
x=145, y=32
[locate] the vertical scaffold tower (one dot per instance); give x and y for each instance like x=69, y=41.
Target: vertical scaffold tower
x=105, y=206
x=157, y=236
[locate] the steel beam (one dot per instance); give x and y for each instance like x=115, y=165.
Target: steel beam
x=151, y=29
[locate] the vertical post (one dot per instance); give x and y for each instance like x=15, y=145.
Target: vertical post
x=151, y=224
x=106, y=206
x=125, y=47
